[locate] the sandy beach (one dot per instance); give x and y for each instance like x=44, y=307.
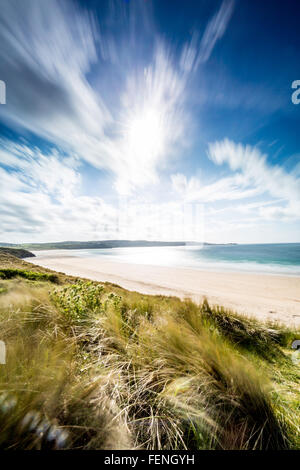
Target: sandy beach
x=268, y=297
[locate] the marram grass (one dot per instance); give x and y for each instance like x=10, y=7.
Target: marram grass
x=92, y=366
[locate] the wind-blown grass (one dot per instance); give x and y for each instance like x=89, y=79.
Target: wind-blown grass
x=92, y=366
x=9, y=273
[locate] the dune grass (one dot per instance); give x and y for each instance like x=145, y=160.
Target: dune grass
x=9, y=273
x=93, y=366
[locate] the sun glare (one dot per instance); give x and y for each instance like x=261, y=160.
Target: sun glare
x=146, y=135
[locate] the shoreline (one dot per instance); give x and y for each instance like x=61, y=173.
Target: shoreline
x=264, y=296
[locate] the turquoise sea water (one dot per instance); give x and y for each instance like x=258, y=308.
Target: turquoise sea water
x=283, y=258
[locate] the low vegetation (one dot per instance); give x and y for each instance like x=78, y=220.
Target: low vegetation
x=17, y=252
x=93, y=366
x=8, y=273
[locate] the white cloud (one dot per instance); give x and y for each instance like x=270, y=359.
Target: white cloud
x=40, y=198
x=199, y=51
x=225, y=189
x=47, y=58
x=274, y=192
x=256, y=170
x=215, y=29
x=47, y=173
x=48, y=54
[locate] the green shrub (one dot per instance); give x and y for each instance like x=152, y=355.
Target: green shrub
x=79, y=300
x=9, y=273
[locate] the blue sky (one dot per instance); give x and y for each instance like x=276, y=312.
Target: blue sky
x=123, y=117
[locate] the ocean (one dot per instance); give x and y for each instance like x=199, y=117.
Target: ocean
x=281, y=258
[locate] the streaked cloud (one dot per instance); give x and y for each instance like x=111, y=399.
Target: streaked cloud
x=266, y=178
x=251, y=177
x=199, y=50
x=115, y=95
x=224, y=189
x=40, y=195
x=46, y=56
x=254, y=166
x=215, y=30
x=41, y=198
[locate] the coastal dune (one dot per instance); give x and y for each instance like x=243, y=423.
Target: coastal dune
x=267, y=297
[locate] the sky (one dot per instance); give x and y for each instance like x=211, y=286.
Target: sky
x=149, y=119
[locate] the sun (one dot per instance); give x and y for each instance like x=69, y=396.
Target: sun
x=146, y=135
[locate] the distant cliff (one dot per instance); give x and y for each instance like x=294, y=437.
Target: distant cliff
x=17, y=252
x=100, y=244
x=78, y=245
